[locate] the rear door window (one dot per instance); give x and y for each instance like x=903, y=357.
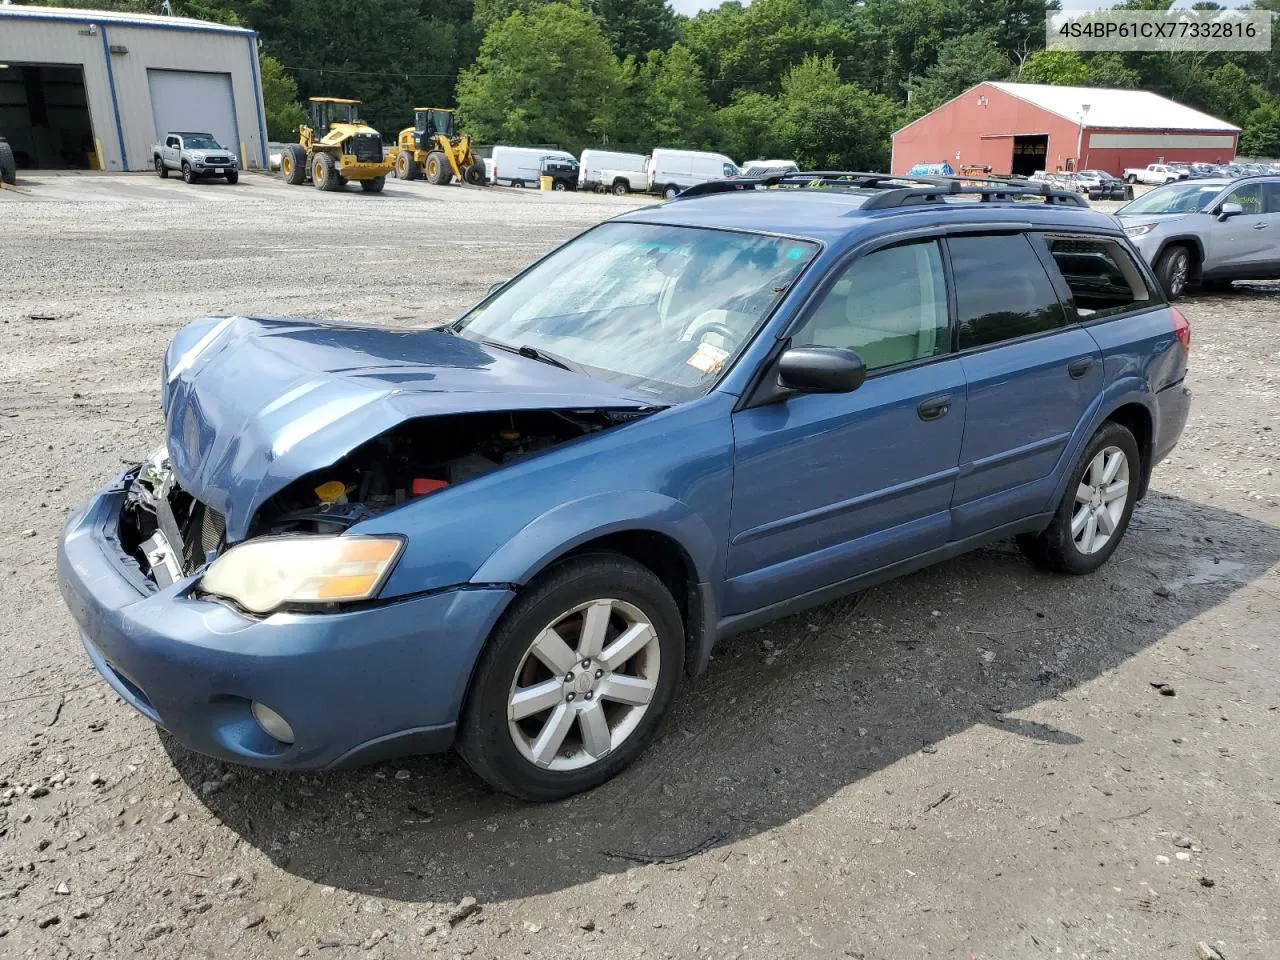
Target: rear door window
x=1002, y=290
x=1102, y=277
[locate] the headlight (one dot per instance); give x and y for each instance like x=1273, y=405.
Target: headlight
x=261, y=575
x=1141, y=230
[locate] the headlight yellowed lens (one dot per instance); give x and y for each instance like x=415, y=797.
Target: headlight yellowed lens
x=262, y=575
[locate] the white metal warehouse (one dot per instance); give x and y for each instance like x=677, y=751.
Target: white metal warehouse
x=93, y=89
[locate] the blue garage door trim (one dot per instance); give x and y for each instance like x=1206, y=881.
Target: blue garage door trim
x=115, y=104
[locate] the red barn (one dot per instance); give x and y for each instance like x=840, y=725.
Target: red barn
x=1020, y=128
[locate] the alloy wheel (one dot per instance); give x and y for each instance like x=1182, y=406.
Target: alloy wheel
x=1101, y=496
x=584, y=685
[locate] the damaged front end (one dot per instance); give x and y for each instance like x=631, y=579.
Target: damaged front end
x=164, y=528
x=173, y=535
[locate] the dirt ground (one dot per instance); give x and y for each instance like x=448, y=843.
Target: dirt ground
x=970, y=762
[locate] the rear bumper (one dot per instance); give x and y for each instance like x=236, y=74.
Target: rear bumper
x=355, y=686
x=1173, y=406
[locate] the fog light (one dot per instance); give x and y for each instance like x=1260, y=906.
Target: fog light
x=271, y=722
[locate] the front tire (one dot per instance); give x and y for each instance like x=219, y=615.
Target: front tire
x=574, y=680
x=188, y=175
x=161, y=170
x=324, y=173
x=1095, y=510
x=8, y=165
x=670, y=192
x=438, y=170
x=1173, y=268
x=373, y=186
x=233, y=176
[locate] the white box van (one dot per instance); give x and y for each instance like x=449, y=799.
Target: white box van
x=670, y=171
x=521, y=166
x=619, y=173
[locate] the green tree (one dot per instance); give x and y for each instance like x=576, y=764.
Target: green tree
x=548, y=76
x=674, y=99
x=1058, y=67
x=1108, y=69
x=753, y=47
x=832, y=125
x=280, y=100
x=1261, y=134
x=962, y=62
x=751, y=126
x=635, y=27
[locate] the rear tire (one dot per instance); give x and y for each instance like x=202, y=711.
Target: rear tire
x=559, y=186
x=233, y=176
x=438, y=171
x=1070, y=544
x=373, y=186
x=475, y=174
x=1131, y=179
x=621, y=188
x=406, y=165
x=161, y=170
x=293, y=164
x=1173, y=268
x=501, y=750
x=324, y=173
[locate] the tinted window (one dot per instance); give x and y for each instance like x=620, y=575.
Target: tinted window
x=1102, y=276
x=890, y=306
x=1271, y=196
x=1002, y=291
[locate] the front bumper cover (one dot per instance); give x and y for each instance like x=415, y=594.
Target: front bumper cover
x=356, y=686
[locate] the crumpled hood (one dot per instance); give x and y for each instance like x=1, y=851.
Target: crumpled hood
x=252, y=404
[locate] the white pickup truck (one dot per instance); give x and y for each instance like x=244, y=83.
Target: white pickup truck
x=1154, y=174
x=195, y=156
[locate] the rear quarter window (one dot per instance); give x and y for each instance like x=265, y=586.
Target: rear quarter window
x=1101, y=275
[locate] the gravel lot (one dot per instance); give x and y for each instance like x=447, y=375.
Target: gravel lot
x=972, y=761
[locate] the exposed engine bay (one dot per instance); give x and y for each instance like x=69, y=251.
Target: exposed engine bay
x=171, y=534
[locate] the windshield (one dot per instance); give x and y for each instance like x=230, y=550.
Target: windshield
x=660, y=309
x=202, y=143
x=1174, y=198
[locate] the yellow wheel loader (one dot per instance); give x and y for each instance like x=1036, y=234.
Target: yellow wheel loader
x=432, y=149
x=336, y=148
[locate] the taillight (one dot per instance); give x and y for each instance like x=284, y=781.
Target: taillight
x=1181, y=329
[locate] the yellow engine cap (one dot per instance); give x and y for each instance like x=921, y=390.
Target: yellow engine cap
x=331, y=490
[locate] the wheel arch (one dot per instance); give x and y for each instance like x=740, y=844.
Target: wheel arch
x=1137, y=418
x=1127, y=402
x=658, y=532
x=1194, y=246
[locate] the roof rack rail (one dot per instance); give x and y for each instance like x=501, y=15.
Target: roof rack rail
x=897, y=189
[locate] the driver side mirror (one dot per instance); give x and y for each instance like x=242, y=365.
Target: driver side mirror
x=1228, y=210
x=821, y=370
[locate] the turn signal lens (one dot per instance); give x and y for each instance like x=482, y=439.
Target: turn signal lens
x=262, y=575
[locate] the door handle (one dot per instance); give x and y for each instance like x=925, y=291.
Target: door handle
x=935, y=408
x=1078, y=368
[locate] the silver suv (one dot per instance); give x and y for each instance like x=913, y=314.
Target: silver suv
x=1208, y=231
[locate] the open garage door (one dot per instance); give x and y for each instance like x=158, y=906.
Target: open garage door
x=44, y=115
x=194, y=102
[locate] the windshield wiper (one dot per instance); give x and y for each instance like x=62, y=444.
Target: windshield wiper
x=533, y=353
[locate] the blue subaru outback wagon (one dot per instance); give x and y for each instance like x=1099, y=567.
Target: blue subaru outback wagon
x=516, y=533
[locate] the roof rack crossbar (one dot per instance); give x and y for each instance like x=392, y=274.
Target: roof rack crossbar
x=896, y=189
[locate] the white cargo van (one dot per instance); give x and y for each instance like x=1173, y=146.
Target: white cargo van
x=619, y=173
x=521, y=166
x=670, y=171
